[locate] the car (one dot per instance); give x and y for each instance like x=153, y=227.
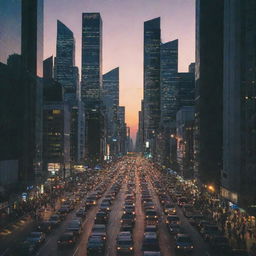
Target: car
x=169, y=209
x=124, y=245
x=99, y=230
x=124, y=234
x=129, y=209
x=150, y=228
x=67, y=239
x=150, y=242
x=105, y=206
x=220, y=244
x=151, y=217
x=45, y=227
x=101, y=218
x=172, y=219
x=128, y=218
x=183, y=243
x=36, y=238
x=90, y=201
x=81, y=213
x=175, y=228
x=55, y=220
x=75, y=227
x=126, y=227
x=95, y=246
x=27, y=248
x=149, y=206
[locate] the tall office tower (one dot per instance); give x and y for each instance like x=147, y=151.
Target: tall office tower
x=21, y=33
x=48, y=68
x=152, y=40
x=111, y=102
x=169, y=68
x=65, y=61
x=32, y=35
x=168, y=95
x=208, y=91
x=91, y=82
x=239, y=123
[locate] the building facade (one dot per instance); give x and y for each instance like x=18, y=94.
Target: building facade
x=152, y=40
x=91, y=83
x=22, y=33
x=209, y=91
x=239, y=105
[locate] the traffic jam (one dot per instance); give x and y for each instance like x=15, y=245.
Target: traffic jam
x=129, y=208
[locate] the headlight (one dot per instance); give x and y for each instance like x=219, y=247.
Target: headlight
x=178, y=246
x=118, y=248
x=131, y=248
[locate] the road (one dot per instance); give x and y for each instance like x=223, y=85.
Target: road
x=127, y=174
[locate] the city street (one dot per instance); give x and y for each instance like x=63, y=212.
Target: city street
x=130, y=178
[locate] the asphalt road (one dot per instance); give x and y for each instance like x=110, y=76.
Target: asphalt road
x=131, y=169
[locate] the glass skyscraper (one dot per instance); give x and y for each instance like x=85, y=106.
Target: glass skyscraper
x=111, y=102
x=152, y=40
x=65, y=61
x=169, y=69
x=91, y=82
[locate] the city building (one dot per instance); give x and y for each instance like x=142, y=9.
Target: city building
x=239, y=106
x=22, y=50
x=209, y=91
x=111, y=103
x=152, y=40
x=168, y=71
x=65, y=71
x=185, y=141
x=91, y=84
x=56, y=153
x=168, y=91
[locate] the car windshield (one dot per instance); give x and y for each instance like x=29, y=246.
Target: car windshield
x=184, y=240
x=124, y=242
x=99, y=229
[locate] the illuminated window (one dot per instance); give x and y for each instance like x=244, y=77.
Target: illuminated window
x=56, y=111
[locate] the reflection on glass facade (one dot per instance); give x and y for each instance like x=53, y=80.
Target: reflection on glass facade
x=91, y=81
x=10, y=28
x=65, y=61
x=152, y=41
x=169, y=68
x=111, y=103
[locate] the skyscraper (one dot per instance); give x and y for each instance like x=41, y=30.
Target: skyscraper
x=91, y=82
x=169, y=69
x=239, y=105
x=208, y=91
x=111, y=102
x=152, y=34
x=22, y=33
x=65, y=61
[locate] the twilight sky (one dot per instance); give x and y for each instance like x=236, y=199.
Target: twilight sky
x=123, y=37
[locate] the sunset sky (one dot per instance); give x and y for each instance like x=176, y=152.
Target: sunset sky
x=123, y=37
